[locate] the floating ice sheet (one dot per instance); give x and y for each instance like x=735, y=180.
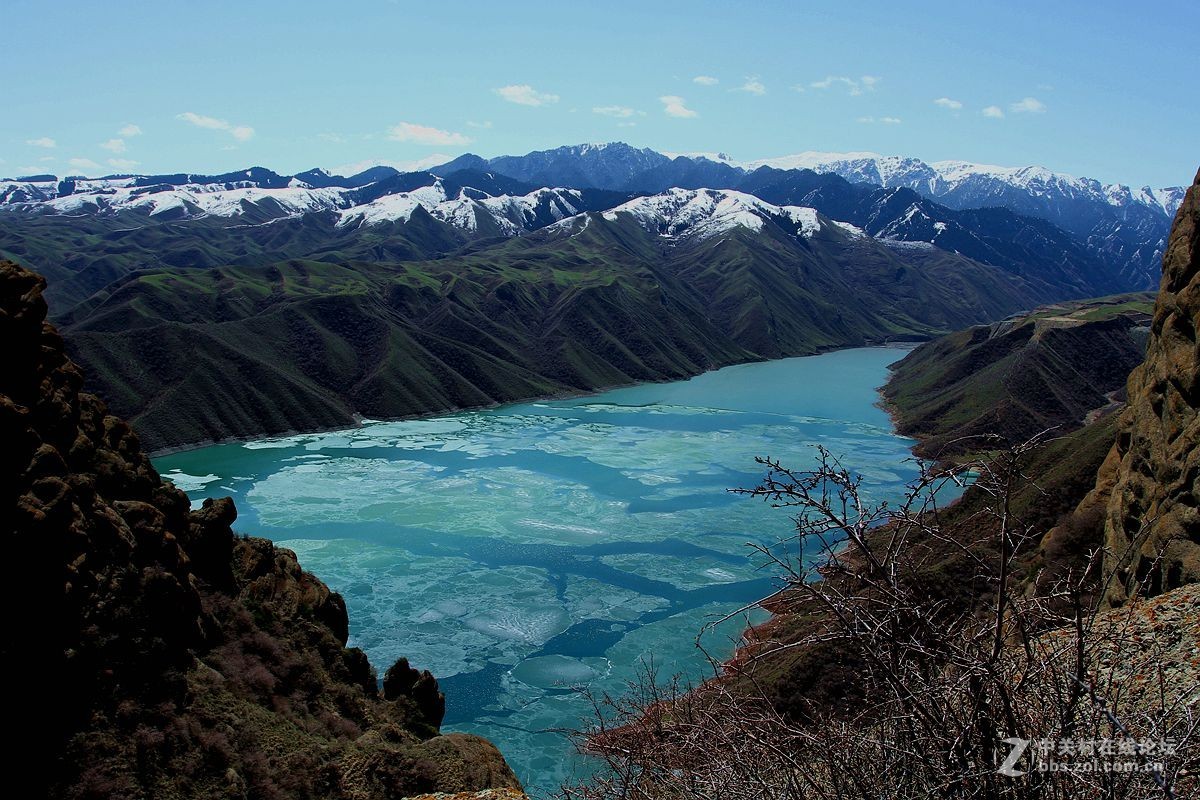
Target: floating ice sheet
x=523, y=552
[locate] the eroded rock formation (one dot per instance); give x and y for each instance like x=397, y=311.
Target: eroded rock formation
x=1149, y=486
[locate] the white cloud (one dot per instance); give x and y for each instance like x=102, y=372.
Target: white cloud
x=753, y=86
x=334, y=138
x=83, y=163
x=239, y=132
x=995, y=112
x=201, y=121
x=946, y=102
x=525, y=95
x=1028, y=105
x=130, y=130
x=705, y=80
x=626, y=124
x=855, y=87
x=673, y=106
x=485, y=125
x=880, y=120
x=44, y=141
x=614, y=111
x=423, y=134
x=122, y=163
x=114, y=145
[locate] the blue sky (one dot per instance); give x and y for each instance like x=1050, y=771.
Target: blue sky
x=1104, y=89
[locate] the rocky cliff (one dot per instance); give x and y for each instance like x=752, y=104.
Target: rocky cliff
x=1149, y=486
x=152, y=652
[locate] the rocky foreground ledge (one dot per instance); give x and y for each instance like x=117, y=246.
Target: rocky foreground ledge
x=157, y=653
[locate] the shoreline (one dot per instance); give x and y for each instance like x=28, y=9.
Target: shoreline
x=906, y=345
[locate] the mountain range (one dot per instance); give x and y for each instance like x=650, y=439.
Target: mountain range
x=1112, y=232
x=655, y=288
x=209, y=306
x=1125, y=226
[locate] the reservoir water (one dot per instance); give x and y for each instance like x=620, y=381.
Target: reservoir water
x=524, y=551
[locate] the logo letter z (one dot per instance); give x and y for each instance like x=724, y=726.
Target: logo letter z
x=1018, y=749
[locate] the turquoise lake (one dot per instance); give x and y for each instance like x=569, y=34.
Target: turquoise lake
x=521, y=551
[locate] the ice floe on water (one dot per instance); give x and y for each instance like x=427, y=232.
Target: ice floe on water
x=336, y=489
x=520, y=625
x=558, y=671
x=525, y=551
x=691, y=571
x=189, y=483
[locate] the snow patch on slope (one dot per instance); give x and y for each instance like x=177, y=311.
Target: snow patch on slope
x=511, y=214
x=942, y=177
x=704, y=213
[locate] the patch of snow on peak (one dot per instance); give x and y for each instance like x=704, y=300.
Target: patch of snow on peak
x=512, y=215
x=389, y=208
x=900, y=244
x=570, y=223
x=853, y=231
x=705, y=213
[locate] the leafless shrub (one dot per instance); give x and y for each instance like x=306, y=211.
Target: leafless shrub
x=946, y=689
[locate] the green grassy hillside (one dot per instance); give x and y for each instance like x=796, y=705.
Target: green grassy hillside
x=192, y=355
x=1048, y=369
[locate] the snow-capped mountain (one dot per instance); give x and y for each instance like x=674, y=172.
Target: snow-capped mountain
x=963, y=184
x=268, y=198
x=1050, y=227
x=610, y=165
x=701, y=214
x=959, y=184
x=469, y=209
x=854, y=167
x=1124, y=226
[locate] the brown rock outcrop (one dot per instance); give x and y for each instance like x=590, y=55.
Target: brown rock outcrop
x=151, y=652
x=1149, y=486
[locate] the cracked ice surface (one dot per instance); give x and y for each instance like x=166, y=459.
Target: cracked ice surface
x=522, y=551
